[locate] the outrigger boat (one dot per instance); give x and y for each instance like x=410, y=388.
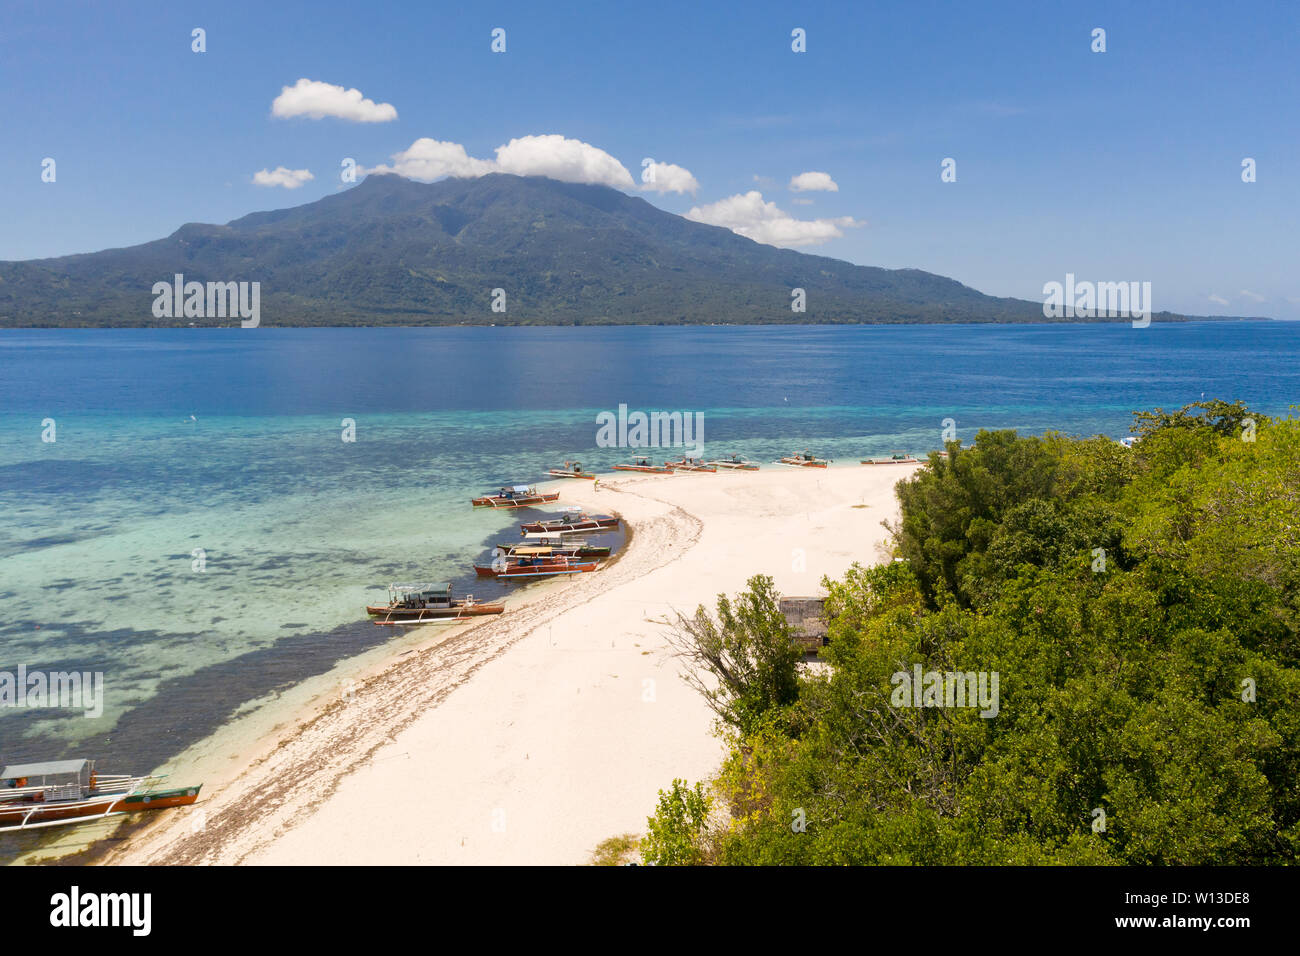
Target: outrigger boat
x=571, y=469
x=690, y=464
x=897, y=458
x=734, y=463
x=421, y=603
x=640, y=463
x=579, y=548
x=65, y=792
x=544, y=564
x=515, y=496
x=575, y=521
x=803, y=461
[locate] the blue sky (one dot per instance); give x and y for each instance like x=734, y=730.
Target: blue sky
x=1115, y=166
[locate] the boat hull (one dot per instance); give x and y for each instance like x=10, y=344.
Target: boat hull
x=577, y=551
x=26, y=813
x=645, y=469
x=560, y=473
x=513, y=572
x=432, y=613
x=596, y=524
x=494, y=501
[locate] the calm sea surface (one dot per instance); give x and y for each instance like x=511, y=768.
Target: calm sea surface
x=230, y=441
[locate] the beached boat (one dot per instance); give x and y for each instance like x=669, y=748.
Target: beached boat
x=570, y=547
x=515, y=496
x=690, y=464
x=897, y=458
x=65, y=792
x=575, y=521
x=645, y=465
x=803, y=461
x=421, y=603
x=571, y=469
x=541, y=565
x=734, y=463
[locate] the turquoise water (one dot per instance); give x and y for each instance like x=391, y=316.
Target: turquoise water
x=230, y=441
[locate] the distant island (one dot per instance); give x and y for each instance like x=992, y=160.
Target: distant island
x=391, y=251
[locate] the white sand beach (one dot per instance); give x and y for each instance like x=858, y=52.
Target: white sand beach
x=530, y=737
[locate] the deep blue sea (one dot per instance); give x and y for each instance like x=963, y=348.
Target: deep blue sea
x=229, y=441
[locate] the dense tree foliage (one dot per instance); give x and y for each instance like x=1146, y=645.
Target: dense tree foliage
x=1139, y=607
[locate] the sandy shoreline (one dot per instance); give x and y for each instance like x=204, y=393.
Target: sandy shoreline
x=530, y=737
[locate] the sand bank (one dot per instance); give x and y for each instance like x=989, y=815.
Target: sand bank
x=531, y=737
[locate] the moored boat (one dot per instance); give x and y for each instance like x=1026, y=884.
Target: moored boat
x=541, y=565
x=571, y=469
x=66, y=792
x=515, y=496
x=804, y=460
x=575, y=521
x=421, y=603
x=643, y=464
x=734, y=463
x=897, y=458
x=690, y=464
x=571, y=547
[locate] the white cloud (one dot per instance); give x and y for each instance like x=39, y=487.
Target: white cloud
x=429, y=159
x=568, y=160
x=317, y=100
x=813, y=182
x=1253, y=296
x=1218, y=300
x=748, y=215
x=667, y=178
x=801, y=201
x=282, y=176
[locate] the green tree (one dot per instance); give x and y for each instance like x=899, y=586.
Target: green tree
x=675, y=831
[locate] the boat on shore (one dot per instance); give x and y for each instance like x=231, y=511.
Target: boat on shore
x=643, y=464
x=543, y=564
x=734, y=463
x=570, y=523
x=690, y=464
x=571, y=547
x=428, y=603
x=571, y=469
x=804, y=460
x=69, y=792
x=515, y=496
x=897, y=458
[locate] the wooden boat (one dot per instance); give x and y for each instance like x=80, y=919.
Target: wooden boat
x=734, y=463
x=65, y=792
x=897, y=458
x=690, y=464
x=571, y=469
x=515, y=496
x=640, y=463
x=803, y=461
x=576, y=521
x=540, y=565
x=573, y=548
x=421, y=603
